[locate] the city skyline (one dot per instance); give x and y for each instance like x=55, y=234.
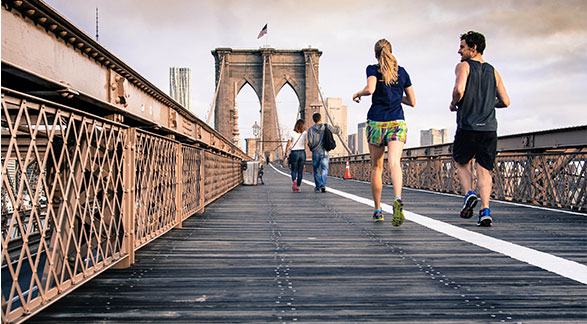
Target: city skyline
x=539, y=48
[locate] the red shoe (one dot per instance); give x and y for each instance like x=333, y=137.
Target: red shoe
x=298, y=189
x=293, y=187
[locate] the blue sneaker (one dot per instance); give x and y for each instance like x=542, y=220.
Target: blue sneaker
x=485, y=219
x=378, y=215
x=471, y=200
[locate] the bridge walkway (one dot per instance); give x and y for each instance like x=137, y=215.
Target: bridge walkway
x=266, y=254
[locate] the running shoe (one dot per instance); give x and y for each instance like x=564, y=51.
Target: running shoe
x=323, y=189
x=398, y=212
x=316, y=189
x=298, y=189
x=471, y=200
x=378, y=215
x=293, y=187
x=485, y=219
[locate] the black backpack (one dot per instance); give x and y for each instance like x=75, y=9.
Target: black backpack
x=328, y=142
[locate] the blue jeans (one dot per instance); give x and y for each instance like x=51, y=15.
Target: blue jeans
x=320, y=161
x=297, y=159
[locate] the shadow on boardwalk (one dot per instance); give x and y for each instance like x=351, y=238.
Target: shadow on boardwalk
x=266, y=254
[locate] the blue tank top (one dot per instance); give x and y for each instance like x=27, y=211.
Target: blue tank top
x=477, y=107
x=386, y=104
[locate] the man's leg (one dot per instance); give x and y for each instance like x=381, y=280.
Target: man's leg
x=485, y=185
x=376, y=153
x=316, y=170
x=324, y=176
x=465, y=176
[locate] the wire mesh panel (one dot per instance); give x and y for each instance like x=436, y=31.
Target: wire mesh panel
x=155, y=186
x=62, y=189
x=550, y=179
x=221, y=174
x=191, y=177
x=554, y=179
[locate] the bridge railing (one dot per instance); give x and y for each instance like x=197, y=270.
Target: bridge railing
x=81, y=194
x=545, y=175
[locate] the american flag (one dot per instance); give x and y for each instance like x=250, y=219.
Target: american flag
x=262, y=32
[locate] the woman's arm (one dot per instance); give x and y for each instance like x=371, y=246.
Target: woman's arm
x=410, y=98
x=367, y=90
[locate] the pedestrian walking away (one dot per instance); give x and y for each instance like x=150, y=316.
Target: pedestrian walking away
x=478, y=90
x=320, y=156
x=297, y=154
x=391, y=87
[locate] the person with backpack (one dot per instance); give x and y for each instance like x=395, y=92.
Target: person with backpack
x=320, y=141
x=391, y=87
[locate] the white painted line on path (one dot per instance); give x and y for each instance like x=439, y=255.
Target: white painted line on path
x=566, y=268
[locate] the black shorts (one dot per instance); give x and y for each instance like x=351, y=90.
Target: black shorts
x=473, y=144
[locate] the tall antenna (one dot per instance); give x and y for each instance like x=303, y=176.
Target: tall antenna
x=97, y=36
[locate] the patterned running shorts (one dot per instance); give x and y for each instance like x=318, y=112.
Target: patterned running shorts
x=381, y=133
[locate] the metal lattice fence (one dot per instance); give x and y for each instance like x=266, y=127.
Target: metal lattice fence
x=555, y=179
x=81, y=194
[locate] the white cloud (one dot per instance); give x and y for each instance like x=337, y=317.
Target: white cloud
x=539, y=47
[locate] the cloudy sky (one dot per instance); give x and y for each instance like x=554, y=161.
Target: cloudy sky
x=539, y=48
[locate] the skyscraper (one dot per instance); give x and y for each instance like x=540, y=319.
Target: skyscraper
x=433, y=136
x=362, y=145
x=339, y=114
x=180, y=85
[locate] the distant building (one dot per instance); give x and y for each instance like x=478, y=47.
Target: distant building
x=353, y=143
x=339, y=114
x=433, y=136
x=362, y=146
x=180, y=85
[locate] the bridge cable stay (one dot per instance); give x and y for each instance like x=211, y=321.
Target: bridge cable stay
x=275, y=105
x=325, y=107
x=216, y=92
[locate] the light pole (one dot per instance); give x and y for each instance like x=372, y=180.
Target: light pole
x=256, y=133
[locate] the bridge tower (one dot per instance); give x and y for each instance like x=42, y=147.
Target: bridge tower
x=266, y=70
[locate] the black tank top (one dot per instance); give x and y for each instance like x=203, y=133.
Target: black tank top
x=477, y=107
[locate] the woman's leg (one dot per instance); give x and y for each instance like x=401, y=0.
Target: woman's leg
x=301, y=162
x=376, y=153
x=292, y=166
x=394, y=156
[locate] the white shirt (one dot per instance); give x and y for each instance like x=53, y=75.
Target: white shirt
x=299, y=140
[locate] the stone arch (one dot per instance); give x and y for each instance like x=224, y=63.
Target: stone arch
x=293, y=84
x=266, y=70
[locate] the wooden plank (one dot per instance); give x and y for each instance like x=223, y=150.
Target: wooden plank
x=264, y=253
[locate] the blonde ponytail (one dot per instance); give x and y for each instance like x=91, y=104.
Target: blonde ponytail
x=387, y=62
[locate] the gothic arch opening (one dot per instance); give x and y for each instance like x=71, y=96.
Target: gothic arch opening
x=288, y=110
x=248, y=106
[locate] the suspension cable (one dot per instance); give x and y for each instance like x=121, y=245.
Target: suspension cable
x=325, y=107
x=216, y=93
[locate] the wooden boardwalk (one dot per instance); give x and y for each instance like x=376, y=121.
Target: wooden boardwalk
x=266, y=254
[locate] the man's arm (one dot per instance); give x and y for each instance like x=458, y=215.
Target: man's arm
x=503, y=100
x=334, y=129
x=462, y=73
